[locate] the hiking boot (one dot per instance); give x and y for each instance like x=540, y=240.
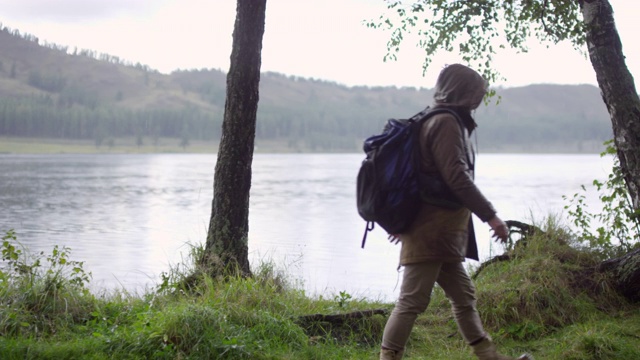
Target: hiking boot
x=388, y=354
x=486, y=350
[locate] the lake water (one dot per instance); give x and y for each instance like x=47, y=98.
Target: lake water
x=132, y=217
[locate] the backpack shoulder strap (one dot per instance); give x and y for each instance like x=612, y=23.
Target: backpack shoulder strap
x=429, y=112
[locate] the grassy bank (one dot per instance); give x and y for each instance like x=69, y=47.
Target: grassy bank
x=538, y=302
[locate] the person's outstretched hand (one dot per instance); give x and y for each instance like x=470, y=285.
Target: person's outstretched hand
x=500, y=229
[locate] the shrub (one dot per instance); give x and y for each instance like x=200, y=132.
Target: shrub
x=617, y=226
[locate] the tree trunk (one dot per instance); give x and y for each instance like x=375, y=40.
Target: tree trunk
x=226, y=249
x=626, y=274
x=617, y=86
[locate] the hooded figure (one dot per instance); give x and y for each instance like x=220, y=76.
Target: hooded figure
x=461, y=87
x=437, y=243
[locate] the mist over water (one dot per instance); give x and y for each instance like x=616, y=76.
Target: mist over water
x=131, y=217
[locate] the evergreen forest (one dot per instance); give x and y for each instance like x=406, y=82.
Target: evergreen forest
x=48, y=91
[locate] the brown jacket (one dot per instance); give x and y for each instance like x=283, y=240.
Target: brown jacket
x=441, y=233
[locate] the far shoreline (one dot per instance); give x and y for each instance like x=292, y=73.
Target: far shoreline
x=15, y=145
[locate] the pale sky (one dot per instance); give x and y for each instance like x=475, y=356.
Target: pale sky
x=320, y=39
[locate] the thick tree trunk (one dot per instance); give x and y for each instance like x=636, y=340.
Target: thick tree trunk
x=626, y=274
x=226, y=249
x=618, y=88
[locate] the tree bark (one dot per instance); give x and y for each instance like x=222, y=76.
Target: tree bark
x=617, y=86
x=341, y=318
x=626, y=274
x=226, y=248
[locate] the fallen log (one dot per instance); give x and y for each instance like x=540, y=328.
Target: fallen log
x=342, y=327
x=341, y=318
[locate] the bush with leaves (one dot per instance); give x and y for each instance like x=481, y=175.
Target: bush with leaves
x=617, y=225
x=37, y=291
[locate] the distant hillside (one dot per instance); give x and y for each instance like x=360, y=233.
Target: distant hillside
x=49, y=91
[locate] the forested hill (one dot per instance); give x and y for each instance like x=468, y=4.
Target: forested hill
x=49, y=91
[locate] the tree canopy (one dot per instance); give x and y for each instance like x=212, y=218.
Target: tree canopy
x=477, y=30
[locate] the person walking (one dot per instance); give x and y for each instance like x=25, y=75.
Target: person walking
x=435, y=246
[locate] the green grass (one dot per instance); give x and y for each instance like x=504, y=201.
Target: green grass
x=537, y=302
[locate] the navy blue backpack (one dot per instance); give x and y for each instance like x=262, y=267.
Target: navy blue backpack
x=388, y=185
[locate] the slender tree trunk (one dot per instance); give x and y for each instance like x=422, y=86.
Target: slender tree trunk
x=618, y=88
x=226, y=249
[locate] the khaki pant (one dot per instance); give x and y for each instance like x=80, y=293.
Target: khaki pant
x=415, y=294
